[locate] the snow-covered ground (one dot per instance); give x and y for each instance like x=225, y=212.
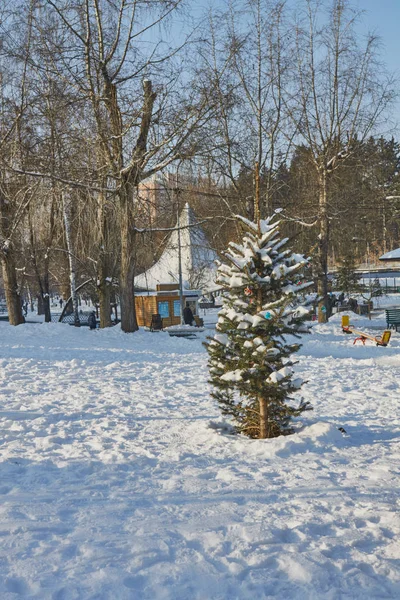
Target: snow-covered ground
x=116, y=482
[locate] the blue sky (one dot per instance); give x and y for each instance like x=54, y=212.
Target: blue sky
x=381, y=17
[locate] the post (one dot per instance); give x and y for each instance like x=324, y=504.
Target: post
x=384, y=229
x=178, y=224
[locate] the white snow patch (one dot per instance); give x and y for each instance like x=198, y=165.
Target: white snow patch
x=232, y=375
x=116, y=484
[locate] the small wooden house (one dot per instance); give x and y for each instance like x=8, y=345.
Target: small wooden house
x=166, y=302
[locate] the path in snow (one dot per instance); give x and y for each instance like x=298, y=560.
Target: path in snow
x=114, y=486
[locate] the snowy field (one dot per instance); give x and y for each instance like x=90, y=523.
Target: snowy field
x=115, y=486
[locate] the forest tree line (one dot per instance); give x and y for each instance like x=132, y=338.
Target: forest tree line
x=251, y=99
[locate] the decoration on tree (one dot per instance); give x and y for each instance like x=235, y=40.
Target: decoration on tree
x=250, y=356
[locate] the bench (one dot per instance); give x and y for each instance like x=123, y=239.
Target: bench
x=83, y=319
x=70, y=319
x=392, y=317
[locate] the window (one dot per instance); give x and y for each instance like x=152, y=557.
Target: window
x=177, y=308
x=163, y=309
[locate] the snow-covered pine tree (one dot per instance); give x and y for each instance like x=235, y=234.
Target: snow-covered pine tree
x=250, y=356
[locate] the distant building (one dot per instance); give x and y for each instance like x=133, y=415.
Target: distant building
x=166, y=302
x=392, y=258
x=158, y=192
x=197, y=259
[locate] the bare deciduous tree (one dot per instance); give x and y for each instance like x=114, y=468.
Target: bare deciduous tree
x=15, y=194
x=338, y=96
x=247, y=61
x=140, y=130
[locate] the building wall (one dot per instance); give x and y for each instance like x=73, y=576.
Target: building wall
x=146, y=306
x=168, y=306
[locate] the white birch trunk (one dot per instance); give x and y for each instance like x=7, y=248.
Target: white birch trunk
x=66, y=202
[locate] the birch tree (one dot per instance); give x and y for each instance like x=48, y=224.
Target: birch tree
x=247, y=62
x=339, y=95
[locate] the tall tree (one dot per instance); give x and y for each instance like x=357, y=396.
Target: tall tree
x=246, y=62
x=339, y=95
x=15, y=193
x=140, y=129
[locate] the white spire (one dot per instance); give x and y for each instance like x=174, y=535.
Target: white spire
x=198, y=267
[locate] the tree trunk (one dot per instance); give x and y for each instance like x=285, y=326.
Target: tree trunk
x=46, y=307
x=128, y=189
x=10, y=282
x=42, y=280
x=263, y=404
x=40, y=305
x=126, y=278
x=43, y=298
x=103, y=264
x=104, y=300
x=13, y=299
x=46, y=294
x=323, y=246
x=71, y=257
